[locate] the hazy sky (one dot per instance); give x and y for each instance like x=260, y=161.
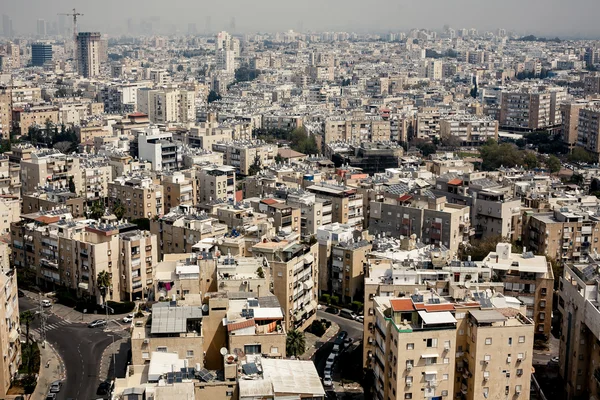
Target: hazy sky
x=566, y=18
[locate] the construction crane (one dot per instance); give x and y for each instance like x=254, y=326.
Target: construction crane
x=74, y=14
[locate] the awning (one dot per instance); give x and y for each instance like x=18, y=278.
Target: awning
x=13, y=336
x=308, y=284
x=429, y=355
x=308, y=259
x=309, y=307
x=298, y=315
x=83, y=285
x=434, y=318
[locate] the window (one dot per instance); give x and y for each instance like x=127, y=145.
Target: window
x=446, y=361
x=274, y=350
x=409, y=380
x=408, y=395
x=518, y=389
x=431, y=360
x=510, y=341
x=519, y=371
x=189, y=353
x=410, y=346
x=161, y=349
x=444, y=393
x=252, y=349
x=145, y=355
x=431, y=342
x=486, y=392
x=409, y=363
x=488, y=340
x=445, y=377
x=521, y=339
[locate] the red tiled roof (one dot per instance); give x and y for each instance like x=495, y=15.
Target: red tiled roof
x=47, y=219
x=402, y=305
x=405, y=197
x=240, y=325
x=239, y=195
x=438, y=307
x=269, y=201
x=455, y=182
x=137, y=114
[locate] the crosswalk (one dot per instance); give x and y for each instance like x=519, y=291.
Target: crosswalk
x=51, y=327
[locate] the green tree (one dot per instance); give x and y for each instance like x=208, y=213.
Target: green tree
x=213, y=96
x=496, y=155
x=530, y=160
x=577, y=179
x=295, y=343
x=479, y=249
x=255, y=167
x=27, y=319
x=119, y=210
x=180, y=68
x=97, y=210
x=580, y=155
x=103, y=282
x=553, y=164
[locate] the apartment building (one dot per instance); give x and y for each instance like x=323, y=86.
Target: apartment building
x=494, y=213
x=591, y=85
x=531, y=109
x=10, y=331
x=88, y=54
x=329, y=236
x=563, y=234
x=579, y=351
x=175, y=329
x=527, y=277
x=570, y=122
x=588, y=130
x=179, y=190
x=48, y=199
x=286, y=218
x=167, y=105
x=52, y=169
x=295, y=279
x=139, y=195
x=160, y=149
x=427, y=123
x=357, y=128
x=95, y=176
x=244, y=154
x=314, y=212
x=470, y=130
x=415, y=348
x=348, y=260
x=432, y=220
x=213, y=182
x=5, y=112
x=33, y=116
x=346, y=203
x=494, y=354
x=10, y=178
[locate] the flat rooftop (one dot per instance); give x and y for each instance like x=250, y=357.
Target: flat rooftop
x=167, y=319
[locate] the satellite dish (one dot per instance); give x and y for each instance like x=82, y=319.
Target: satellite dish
x=223, y=351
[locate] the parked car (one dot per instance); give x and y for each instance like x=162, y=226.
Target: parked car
x=332, y=310
x=348, y=342
x=128, y=318
x=97, y=323
x=328, y=371
x=46, y=303
x=55, y=387
x=360, y=319
x=330, y=360
x=336, y=348
x=51, y=396
x=327, y=381
x=553, y=361
x=347, y=314
x=342, y=335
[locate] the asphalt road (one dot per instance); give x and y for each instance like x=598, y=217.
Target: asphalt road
x=354, y=329
x=80, y=348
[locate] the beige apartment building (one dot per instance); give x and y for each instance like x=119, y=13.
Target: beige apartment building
x=470, y=130
x=357, y=128
x=167, y=105
x=563, y=234
x=140, y=196
x=10, y=178
x=531, y=109
x=286, y=218
x=96, y=173
x=88, y=54
x=34, y=116
x=346, y=203
x=9, y=328
x=570, y=122
x=51, y=169
x=295, y=279
x=5, y=113
x=348, y=261
x=527, y=277
x=54, y=200
x=215, y=182
x=242, y=154
x=179, y=190
x=314, y=212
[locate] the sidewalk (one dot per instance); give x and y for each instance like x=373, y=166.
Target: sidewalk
x=54, y=372
x=119, y=349
x=70, y=314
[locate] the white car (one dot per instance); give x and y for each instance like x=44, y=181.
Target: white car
x=336, y=348
x=360, y=319
x=128, y=318
x=327, y=382
x=46, y=303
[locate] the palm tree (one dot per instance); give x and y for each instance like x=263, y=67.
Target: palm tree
x=295, y=344
x=27, y=319
x=96, y=210
x=119, y=210
x=103, y=282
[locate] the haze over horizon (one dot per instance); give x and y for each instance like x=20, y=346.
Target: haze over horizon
x=539, y=17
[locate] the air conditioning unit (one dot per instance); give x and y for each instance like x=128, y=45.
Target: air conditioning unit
x=409, y=367
x=485, y=362
x=146, y=341
x=447, y=347
x=409, y=384
x=518, y=391
x=508, y=359
x=485, y=378
x=245, y=283
x=519, y=358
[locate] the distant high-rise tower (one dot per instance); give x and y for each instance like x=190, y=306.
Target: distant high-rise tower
x=232, y=24
x=88, y=54
x=41, y=27
x=7, y=28
x=192, y=29
x=40, y=54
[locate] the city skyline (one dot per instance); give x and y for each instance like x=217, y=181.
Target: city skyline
x=553, y=19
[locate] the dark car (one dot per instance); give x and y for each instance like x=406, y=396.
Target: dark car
x=20, y=293
x=332, y=310
x=342, y=335
x=103, y=388
x=97, y=323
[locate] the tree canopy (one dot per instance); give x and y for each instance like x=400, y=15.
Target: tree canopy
x=496, y=155
x=213, y=96
x=553, y=164
x=295, y=344
x=581, y=155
